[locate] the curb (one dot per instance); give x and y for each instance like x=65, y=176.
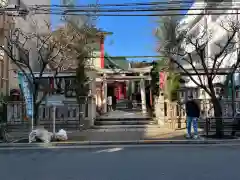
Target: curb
x=138, y=142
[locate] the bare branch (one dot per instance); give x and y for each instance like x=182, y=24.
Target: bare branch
x=194, y=68
x=223, y=49
x=185, y=45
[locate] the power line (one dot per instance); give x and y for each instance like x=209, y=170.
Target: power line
x=134, y=5
x=138, y=5
x=153, y=56
x=177, y=8
x=120, y=12
x=120, y=4
x=166, y=14
x=142, y=10
x=154, y=5
x=177, y=3
x=75, y=10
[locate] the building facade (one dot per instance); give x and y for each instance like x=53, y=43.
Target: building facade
x=27, y=23
x=209, y=29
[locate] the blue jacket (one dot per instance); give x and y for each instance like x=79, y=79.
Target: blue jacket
x=192, y=109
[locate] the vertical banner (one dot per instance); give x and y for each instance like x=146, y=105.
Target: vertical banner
x=161, y=79
x=27, y=93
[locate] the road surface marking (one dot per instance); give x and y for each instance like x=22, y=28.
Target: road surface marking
x=109, y=150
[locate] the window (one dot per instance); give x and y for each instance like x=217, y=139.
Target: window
x=181, y=94
x=237, y=93
x=190, y=93
x=58, y=84
x=70, y=87
x=196, y=93
x=218, y=90
x=70, y=84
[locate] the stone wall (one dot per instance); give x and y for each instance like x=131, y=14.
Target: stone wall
x=172, y=114
x=68, y=116
x=159, y=114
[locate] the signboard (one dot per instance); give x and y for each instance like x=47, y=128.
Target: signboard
x=27, y=93
x=55, y=100
x=161, y=79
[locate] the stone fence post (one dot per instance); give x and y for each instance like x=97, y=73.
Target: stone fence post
x=91, y=110
x=159, y=110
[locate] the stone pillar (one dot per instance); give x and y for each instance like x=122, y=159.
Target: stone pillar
x=159, y=110
x=127, y=89
x=92, y=103
x=104, y=102
x=143, y=95
x=133, y=86
x=91, y=110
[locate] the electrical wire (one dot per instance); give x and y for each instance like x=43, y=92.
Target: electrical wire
x=122, y=12
x=177, y=3
x=140, y=10
x=110, y=9
x=134, y=9
x=118, y=14
x=149, y=5
x=153, y=56
x=121, y=4
x=174, y=4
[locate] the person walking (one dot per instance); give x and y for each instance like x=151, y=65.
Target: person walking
x=193, y=113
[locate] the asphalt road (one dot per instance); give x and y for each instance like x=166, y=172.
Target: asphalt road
x=142, y=163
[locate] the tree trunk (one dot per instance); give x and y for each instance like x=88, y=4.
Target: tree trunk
x=218, y=117
x=35, y=115
x=217, y=110
x=82, y=103
x=35, y=108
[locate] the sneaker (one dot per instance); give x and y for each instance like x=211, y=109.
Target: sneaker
x=188, y=136
x=195, y=137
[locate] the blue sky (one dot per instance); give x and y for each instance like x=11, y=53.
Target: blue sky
x=132, y=36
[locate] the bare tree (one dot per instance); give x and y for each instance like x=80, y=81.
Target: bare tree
x=78, y=44
x=30, y=53
x=203, y=68
x=79, y=33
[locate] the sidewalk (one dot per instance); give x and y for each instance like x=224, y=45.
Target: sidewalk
x=134, y=135
x=93, y=138
x=160, y=134
x=116, y=135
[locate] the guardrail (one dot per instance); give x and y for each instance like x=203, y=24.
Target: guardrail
x=209, y=124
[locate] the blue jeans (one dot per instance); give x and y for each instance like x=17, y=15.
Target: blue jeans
x=190, y=121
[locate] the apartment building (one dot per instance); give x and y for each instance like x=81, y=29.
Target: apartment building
x=27, y=23
x=198, y=24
